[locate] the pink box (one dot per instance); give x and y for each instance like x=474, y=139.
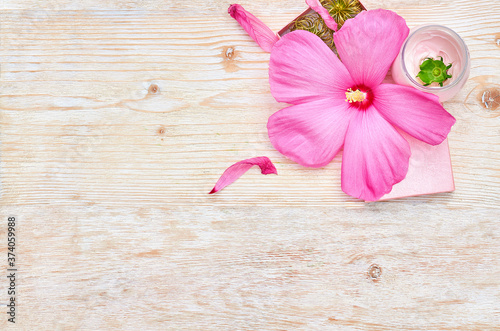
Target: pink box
x=430, y=169
x=286, y=29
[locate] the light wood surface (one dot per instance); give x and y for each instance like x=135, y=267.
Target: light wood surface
x=117, y=118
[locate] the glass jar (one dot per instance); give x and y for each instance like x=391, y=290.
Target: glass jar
x=433, y=41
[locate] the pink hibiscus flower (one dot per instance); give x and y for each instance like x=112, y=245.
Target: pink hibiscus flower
x=344, y=104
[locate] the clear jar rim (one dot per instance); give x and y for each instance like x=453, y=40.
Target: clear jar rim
x=433, y=89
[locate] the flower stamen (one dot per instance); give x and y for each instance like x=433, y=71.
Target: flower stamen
x=355, y=96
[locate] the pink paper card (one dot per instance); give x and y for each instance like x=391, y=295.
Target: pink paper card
x=429, y=171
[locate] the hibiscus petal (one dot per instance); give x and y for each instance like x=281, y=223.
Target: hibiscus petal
x=417, y=113
x=375, y=156
x=238, y=169
x=325, y=15
x=310, y=134
x=303, y=68
x=254, y=27
x=369, y=43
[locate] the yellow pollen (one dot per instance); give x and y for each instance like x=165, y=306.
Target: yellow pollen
x=354, y=96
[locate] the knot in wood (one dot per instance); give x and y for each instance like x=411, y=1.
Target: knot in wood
x=153, y=89
x=490, y=98
x=374, y=272
x=229, y=53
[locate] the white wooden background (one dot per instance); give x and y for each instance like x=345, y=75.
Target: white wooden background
x=117, y=118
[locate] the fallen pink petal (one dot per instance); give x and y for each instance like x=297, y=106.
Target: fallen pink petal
x=238, y=169
x=255, y=28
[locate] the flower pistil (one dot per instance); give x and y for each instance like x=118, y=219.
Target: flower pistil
x=355, y=96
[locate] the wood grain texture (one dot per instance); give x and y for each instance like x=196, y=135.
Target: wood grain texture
x=117, y=118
